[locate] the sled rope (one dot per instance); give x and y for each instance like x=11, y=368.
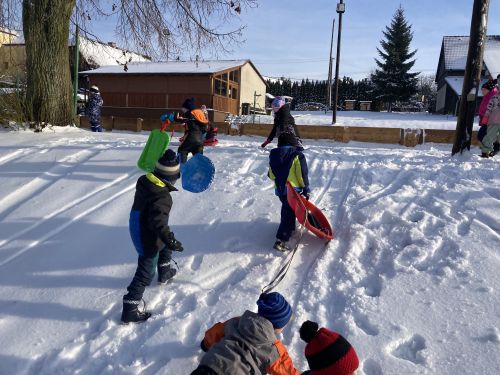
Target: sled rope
x=282, y=272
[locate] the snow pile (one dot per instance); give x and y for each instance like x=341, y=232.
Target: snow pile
x=411, y=277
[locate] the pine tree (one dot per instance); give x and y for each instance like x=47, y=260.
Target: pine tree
x=393, y=81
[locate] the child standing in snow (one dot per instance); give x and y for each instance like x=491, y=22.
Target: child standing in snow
x=196, y=125
x=489, y=90
x=492, y=119
x=94, y=109
x=283, y=122
x=151, y=235
x=327, y=352
x=287, y=163
x=248, y=344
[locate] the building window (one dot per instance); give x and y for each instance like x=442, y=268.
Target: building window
x=6, y=65
x=220, y=87
x=234, y=76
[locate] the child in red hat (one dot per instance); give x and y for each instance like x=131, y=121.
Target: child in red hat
x=327, y=352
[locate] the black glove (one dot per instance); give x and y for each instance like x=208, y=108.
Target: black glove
x=306, y=193
x=172, y=243
x=203, y=346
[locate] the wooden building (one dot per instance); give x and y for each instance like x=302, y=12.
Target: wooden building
x=451, y=70
x=149, y=89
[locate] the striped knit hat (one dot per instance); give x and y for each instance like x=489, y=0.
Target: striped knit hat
x=167, y=168
x=277, y=103
x=274, y=307
x=327, y=352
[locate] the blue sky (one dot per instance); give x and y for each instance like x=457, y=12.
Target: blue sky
x=291, y=38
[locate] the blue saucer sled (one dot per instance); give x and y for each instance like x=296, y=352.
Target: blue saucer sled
x=197, y=174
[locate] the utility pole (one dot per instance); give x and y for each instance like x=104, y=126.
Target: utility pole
x=329, y=87
x=340, y=11
x=472, y=76
x=76, y=63
x=255, y=95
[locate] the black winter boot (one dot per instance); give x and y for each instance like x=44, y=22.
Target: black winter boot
x=281, y=246
x=165, y=273
x=131, y=313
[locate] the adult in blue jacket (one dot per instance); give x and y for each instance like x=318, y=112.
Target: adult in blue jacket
x=287, y=163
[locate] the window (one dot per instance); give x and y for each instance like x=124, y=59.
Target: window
x=220, y=87
x=234, y=76
x=6, y=65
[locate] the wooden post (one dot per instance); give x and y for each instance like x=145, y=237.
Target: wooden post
x=472, y=76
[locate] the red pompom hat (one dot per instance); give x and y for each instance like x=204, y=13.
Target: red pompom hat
x=327, y=352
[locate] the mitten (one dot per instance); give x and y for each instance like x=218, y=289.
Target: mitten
x=265, y=143
x=172, y=243
x=306, y=192
x=484, y=120
x=203, y=346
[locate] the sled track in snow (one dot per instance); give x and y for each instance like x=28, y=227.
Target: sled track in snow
x=131, y=174
x=60, y=228
x=339, y=219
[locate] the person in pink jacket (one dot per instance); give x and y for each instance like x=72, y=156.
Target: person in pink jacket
x=489, y=89
x=492, y=119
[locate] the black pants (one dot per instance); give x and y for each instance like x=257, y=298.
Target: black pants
x=146, y=267
x=287, y=224
x=203, y=370
x=192, y=145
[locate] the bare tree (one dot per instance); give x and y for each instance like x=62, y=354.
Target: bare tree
x=158, y=28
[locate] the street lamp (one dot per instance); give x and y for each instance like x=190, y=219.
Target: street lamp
x=340, y=11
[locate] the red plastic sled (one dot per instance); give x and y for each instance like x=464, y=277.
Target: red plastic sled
x=316, y=222
x=210, y=142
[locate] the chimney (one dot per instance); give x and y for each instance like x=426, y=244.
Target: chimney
x=112, y=44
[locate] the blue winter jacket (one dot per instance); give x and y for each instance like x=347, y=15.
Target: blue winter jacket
x=287, y=163
x=94, y=107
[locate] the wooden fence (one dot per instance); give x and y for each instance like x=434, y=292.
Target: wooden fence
x=406, y=137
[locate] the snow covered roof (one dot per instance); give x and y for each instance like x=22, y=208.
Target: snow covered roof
x=456, y=84
x=171, y=67
x=101, y=54
x=455, y=50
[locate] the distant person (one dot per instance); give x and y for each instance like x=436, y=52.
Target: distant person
x=151, y=235
x=489, y=89
x=94, y=109
x=327, y=352
x=248, y=344
x=196, y=126
x=283, y=122
x=287, y=163
x=491, y=118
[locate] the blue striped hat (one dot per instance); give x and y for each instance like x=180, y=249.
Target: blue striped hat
x=274, y=307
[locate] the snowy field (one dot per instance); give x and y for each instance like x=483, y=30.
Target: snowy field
x=411, y=277
x=372, y=119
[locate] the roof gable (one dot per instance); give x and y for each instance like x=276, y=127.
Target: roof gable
x=172, y=67
x=455, y=49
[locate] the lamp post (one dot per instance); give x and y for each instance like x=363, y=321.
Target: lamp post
x=329, y=88
x=340, y=11
x=255, y=95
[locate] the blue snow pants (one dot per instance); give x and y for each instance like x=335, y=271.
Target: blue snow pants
x=287, y=224
x=95, y=126
x=146, y=267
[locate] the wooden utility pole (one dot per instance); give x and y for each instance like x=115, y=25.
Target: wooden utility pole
x=340, y=11
x=329, y=87
x=472, y=76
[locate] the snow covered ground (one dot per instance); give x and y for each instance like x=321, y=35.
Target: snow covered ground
x=371, y=119
x=411, y=277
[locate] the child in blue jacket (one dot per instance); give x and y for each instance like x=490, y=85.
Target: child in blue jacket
x=287, y=163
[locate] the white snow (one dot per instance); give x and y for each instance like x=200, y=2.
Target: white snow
x=101, y=54
x=416, y=120
x=411, y=278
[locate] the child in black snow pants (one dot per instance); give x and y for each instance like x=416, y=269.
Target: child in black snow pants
x=151, y=235
x=287, y=163
x=196, y=127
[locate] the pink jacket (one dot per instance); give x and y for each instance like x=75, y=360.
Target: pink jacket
x=484, y=103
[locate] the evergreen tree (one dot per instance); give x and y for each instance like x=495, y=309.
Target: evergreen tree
x=393, y=81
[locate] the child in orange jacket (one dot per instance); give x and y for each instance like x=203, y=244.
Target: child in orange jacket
x=248, y=344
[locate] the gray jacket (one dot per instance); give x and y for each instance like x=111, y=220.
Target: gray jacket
x=247, y=347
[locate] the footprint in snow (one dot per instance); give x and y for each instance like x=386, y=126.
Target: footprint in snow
x=410, y=349
x=371, y=367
